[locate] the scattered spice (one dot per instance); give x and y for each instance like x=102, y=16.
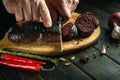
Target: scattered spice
x=72, y=58
x=103, y=50
x=84, y=58
x=97, y=42
x=87, y=51
x=117, y=45
x=80, y=40
x=107, y=46
x=77, y=42
x=67, y=64
x=62, y=59
x=94, y=55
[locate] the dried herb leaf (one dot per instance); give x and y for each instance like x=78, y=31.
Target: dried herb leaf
x=62, y=59
x=72, y=58
x=67, y=64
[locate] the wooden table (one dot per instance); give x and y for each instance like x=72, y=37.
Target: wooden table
x=106, y=67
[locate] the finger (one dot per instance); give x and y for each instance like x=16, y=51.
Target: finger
x=9, y=5
x=27, y=10
x=45, y=14
x=40, y=19
x=53, y=11
x=69, y=4
x=34, y=10
x=62, y=8
x=75, y=4
x=18, y=12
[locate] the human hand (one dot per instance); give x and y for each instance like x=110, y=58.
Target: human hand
x=64, y=7
x=40, y=10
x=27, y=10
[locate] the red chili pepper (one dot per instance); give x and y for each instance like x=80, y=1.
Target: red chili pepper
x=22, y=65
x=19, y=59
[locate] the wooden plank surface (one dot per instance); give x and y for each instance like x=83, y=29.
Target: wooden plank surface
x=106, y=67
x=105, y=38
x=99, y=68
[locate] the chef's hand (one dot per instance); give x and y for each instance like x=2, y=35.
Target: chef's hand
x=64, y=7
x=40, y=10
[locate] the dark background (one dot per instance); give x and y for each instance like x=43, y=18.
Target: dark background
x=6, y=20
x=106, y=67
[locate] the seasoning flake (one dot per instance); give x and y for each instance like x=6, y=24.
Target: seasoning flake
x=67, y=64
x=72, y=58
x=62, y=59
x=103, y=50
x=84, y=58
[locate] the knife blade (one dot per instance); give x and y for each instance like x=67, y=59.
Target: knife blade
x=57, y=28
x=60, y=26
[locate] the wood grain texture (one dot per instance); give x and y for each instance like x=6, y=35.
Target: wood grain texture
x=53, y=48
x=106, y=67
x=99, y=68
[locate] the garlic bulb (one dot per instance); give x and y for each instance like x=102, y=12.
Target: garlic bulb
x=116, y=32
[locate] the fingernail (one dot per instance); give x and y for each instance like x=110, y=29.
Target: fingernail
x=48, y=24
x=19, y=19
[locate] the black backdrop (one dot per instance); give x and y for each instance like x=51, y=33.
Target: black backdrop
x=6, y=20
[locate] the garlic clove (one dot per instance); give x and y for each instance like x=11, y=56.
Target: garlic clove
x=103, y=50
x=116, y=32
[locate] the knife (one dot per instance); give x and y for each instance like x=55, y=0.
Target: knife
x=57, y=28
x=60, y=26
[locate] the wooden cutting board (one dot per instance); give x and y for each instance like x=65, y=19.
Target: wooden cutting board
x=53, y=48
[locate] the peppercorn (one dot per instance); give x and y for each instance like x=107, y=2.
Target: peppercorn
x=84, y=58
